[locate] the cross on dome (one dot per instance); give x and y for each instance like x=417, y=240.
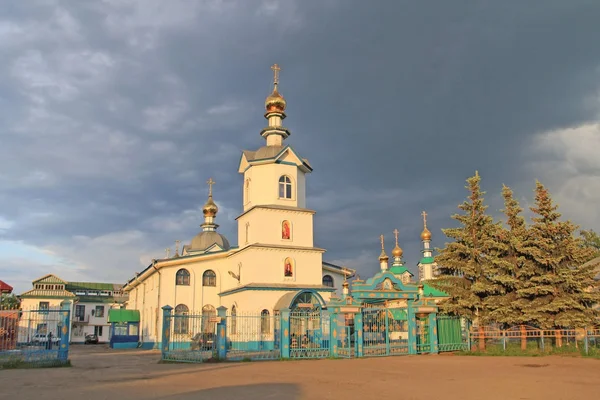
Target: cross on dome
x=210, y=183
x=276, y=70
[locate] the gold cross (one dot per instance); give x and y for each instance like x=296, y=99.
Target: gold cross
x=210, y=183
x=381, y=238
x=276, y=70
x=424, y=214
x=396, y=234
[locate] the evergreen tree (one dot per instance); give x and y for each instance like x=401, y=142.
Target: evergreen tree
x=9, y=302
x=506, y=308
x=467, y=265
x=555, y=288
x=591, y=240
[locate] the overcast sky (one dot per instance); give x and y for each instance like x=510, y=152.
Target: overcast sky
x=113, y=114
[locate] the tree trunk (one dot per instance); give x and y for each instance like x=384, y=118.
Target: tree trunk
x=481, y=338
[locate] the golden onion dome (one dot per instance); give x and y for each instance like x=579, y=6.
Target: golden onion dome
x=275, y=102
x=425, y=235
x=397, y=251
x=383, y=256
x=210, y=209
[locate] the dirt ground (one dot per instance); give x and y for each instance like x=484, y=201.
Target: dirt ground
x=100, y=373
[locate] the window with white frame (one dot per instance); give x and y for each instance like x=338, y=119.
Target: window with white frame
x=285, y=187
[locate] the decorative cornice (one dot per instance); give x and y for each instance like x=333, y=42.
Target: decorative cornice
x=275, y=207
x=280, y=247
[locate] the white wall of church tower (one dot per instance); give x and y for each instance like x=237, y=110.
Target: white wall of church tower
x=263, y=189
x=266, y=226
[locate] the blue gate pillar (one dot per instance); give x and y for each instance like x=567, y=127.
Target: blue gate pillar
x=433, y=333
x=412, y=330
x=166, y=331
x=221, y=345
x=334, y=332
x=284, y=331
x=358, y=328
x=65, y=331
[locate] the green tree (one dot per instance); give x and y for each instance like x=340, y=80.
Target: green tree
x=468, y=264
x=591, y=240
x=9, y=302
x=556, y=289
x=506, y=308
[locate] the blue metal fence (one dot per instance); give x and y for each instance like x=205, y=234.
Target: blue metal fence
x=35, y=337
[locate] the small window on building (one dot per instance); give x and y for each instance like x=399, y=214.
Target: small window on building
x=182, y=277
x=285, y=187
x=209, y=278
x=181, y=320
x=99, y=312
x=44, y=306
x=327, y=281
x=208, y=313
x=265, y=321
x=98, y=331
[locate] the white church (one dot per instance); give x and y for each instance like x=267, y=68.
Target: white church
x=275, y=265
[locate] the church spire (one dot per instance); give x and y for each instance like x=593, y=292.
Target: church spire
x=210, y=210
x=397, y=251
x=383, y=258
x=275, y=106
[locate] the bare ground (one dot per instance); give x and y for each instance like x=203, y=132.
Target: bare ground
x=99, y=373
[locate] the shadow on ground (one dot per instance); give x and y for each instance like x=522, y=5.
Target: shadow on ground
x=288, y=391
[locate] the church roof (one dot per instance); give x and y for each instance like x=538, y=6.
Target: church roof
x=50, y=278
x=47, y=293
x=207, y=239
x=273, y=154
x=399, y=270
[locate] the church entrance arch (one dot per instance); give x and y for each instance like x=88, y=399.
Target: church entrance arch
x=309, y=326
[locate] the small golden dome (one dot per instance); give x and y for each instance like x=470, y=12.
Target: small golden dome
x=425, y=235
x=397, y=251
x=275, y=102
x=383, y=256
x=210, y=209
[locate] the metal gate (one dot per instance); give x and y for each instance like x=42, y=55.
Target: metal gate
x=423, y=342
x=309, y=333
x=193, y=337
x=452, y=336
x=385, y=332
x=346, y=339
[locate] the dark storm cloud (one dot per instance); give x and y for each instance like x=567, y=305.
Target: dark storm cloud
x=115, y=113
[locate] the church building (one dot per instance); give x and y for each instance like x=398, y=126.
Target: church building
x=275, y=265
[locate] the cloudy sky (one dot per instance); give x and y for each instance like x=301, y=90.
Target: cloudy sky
x=114, y=113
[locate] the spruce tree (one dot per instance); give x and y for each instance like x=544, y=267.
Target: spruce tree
x=556, y=289
x=591, y=240
x=467, y=264
x=505, y=308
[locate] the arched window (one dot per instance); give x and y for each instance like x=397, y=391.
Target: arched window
x=209, y=278
x=328, y=281
x=208, y=314
x=233, y=320
x=288, y=268
x=285, y=187
x=181, y=319
x=286, y=230
x=182, y=277
x=265, y=321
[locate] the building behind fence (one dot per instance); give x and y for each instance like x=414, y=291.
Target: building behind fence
x=38, y=337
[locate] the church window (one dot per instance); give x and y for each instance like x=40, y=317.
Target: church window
x=182, y=277
x=233, y=320
x=288, y=267
x=209, y=278
x=285, y=187
x=328, y=281
x=208, y=314
x=265, y=321
x=286, y=230
x=181, y=320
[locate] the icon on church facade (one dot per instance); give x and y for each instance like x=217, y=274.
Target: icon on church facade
x=288, y=267
x=286, y=230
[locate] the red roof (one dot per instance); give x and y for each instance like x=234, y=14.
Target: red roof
x=5, y=288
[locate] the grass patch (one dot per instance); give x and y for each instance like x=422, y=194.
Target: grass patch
x=533, y=350
x=18, y=363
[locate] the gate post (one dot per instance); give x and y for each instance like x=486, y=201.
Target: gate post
x=221, y=339
x=65, y=319
x=412, y=330
x=433, y=333
x=166, y=331
x=333, y=334
x=358, y=328
x=284, y=331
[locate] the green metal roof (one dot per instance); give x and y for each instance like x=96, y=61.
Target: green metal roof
x=90, y=286
x=430, y=291
x=120, y=315
x=399, y=270
x=427, y=260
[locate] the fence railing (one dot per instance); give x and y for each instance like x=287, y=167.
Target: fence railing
x=523, y=338
x=38, y=337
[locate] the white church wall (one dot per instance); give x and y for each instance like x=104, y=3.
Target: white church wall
x=264, y=185
x=262, y=225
